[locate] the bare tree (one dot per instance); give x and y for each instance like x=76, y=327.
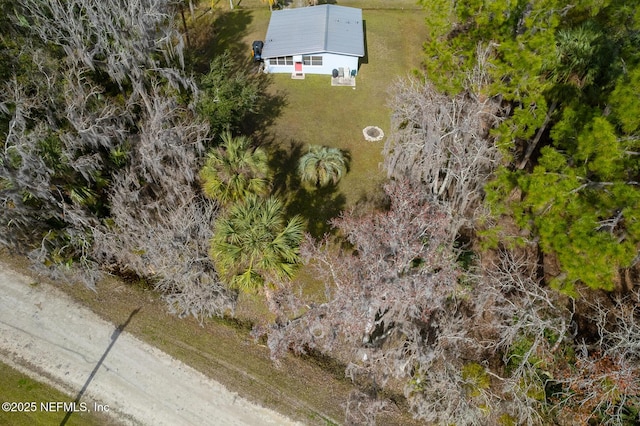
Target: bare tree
x=106, y=98
x=527, y=324
x=390, y=309
x=160, y=224
x=604, y=384
x=477, y=347
x=62, y=122
x=362, y=408
x=443, y=142
x=524, y=304
x=127, y=40
x=601, y=388
x=24, y=175
x=44, y=180
x=619, y=325
x=546, y=372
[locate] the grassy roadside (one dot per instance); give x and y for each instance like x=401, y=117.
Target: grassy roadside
x=302, y=389
x=20, y=388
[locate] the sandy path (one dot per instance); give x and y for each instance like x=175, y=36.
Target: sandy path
x=42, y=327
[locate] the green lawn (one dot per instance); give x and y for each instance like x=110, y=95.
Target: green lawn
x=19, y=388
x=317, y=113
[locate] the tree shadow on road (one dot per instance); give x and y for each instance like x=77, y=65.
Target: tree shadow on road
x=114, y=338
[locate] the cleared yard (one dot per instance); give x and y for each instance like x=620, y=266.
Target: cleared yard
x=315, y=112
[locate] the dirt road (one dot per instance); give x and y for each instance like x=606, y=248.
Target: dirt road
x=45, y=332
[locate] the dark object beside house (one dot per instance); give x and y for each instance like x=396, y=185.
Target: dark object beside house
x=256, y=48
x=334, y=73
x=319, y=38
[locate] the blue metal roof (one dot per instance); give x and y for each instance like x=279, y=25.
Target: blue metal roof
x=315, y=29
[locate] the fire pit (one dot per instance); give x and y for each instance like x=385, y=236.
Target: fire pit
x=373, y=133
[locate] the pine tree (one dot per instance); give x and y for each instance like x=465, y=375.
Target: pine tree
x=567, y=76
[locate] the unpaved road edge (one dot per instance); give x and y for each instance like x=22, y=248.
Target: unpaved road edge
x=45, y=333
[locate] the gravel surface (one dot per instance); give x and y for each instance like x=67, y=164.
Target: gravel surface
x=44, y=332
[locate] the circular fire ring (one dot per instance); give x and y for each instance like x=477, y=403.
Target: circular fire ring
x=373, y=133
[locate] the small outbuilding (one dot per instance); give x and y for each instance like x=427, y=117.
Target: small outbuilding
x=314, y=40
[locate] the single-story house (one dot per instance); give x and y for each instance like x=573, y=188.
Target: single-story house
x=314, y=40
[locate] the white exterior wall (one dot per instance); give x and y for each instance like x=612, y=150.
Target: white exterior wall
x=330, y=61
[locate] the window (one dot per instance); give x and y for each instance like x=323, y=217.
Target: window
x=312, y=60
x=282, y=60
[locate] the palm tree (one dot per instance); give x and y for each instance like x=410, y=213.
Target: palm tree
x=234, y=170
x=253, y=244
x=322, y=165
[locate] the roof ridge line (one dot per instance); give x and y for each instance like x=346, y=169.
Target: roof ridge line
x=326, y=27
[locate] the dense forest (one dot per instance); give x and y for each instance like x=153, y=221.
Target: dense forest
x=496, y=280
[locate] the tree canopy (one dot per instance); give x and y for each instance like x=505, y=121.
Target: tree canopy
x=570, y=135
x=322, y=166
x=230, y=96
x=100, y=143
x=234, y=170
x=253, y=245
